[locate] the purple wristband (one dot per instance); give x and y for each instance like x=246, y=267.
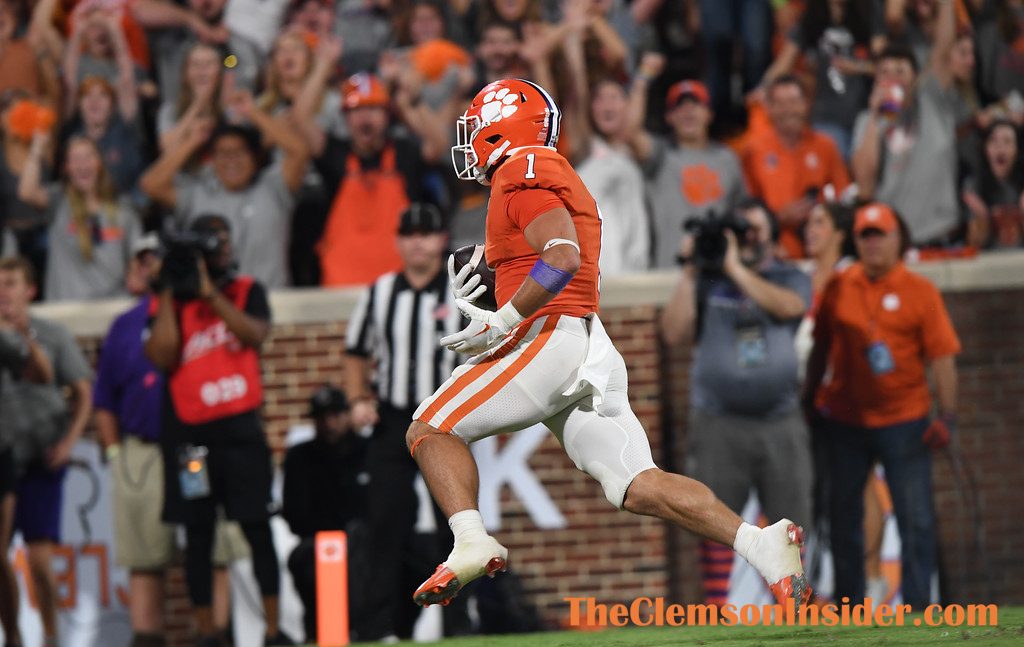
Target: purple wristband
x=550, y=278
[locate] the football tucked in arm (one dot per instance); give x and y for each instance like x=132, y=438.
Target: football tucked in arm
x=473, y=255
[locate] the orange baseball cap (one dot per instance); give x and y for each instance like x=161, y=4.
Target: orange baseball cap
x=364, y=89
x=875, y=216
x=688, y=88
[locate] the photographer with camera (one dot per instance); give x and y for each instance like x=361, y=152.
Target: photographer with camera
x=741, y=306
x=128, y=400
x=208, y=326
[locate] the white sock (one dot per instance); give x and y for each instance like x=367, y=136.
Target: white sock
x=745, y=538
x=467, y=525
x=768, y=550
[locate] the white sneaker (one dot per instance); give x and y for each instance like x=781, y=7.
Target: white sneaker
x=467, y=562
x=877, y=589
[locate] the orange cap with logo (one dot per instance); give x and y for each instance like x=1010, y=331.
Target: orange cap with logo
x=683, y=89
x=363, y=89
x=876, y=215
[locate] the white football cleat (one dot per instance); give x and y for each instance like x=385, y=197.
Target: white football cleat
x=468, y=561
x=777, y=558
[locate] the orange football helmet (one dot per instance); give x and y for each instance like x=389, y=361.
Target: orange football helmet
x=505, y=115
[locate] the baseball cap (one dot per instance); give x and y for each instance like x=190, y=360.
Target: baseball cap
x=327, y=399
x=421, y=218
x=147, y=243
x=689, y=88
x=363, y=89
x=875, y=216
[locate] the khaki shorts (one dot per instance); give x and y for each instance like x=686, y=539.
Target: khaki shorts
x=143, y=541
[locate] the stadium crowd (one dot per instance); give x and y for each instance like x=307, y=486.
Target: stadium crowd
x=311, y=125
x=320, y=125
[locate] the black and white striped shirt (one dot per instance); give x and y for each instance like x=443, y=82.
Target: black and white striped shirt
x=398, y=328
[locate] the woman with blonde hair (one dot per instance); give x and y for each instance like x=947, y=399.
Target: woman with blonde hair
x=199, y=95
x=297, y=75
x=91, y=228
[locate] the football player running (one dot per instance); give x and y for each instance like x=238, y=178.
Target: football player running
x=544, y=357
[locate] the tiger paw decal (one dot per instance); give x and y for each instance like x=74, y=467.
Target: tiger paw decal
x=498, y=105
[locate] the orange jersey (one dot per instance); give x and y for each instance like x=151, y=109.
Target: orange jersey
x=780, y=175
x=532, y=181
x=902, y=310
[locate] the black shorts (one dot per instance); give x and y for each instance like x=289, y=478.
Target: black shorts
x=239, y=464
x=8, y=481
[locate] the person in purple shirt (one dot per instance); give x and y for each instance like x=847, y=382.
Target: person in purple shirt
x=128, y=400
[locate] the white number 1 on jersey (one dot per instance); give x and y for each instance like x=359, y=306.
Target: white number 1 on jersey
x=531, y=158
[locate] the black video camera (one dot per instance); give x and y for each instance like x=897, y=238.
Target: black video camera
x=180, y=269
x=709, y=243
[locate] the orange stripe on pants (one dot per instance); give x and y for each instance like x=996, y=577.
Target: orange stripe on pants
x=502, y=378
x=472, y=375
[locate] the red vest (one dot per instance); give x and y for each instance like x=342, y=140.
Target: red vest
x=216, y=376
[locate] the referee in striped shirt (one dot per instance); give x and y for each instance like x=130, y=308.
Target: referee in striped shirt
x=393, y=362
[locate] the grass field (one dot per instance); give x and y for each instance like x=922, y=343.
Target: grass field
x=1009, y=632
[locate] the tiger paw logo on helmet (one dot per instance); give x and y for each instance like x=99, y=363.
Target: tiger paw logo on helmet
x=498, y=105
x=504, y=116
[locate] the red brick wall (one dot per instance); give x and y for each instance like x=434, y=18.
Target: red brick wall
x=991, y=371
x=616, y=556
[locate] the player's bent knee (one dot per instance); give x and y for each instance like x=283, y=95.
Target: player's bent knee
x=641, y=495
x=417, y=433
x=610, y=452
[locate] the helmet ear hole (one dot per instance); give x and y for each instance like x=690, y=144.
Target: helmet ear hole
x=493, y=139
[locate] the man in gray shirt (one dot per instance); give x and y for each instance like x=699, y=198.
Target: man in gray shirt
x=905, y=147
x=43, y=428
x=257, y=204
x=746, y=429
x=689, y=176
x=23, y=358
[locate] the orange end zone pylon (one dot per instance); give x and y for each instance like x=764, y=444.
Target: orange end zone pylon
x=332, y=588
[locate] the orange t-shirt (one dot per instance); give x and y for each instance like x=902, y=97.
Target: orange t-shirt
x=904, y=311
x=534, y=180
x=780, y=175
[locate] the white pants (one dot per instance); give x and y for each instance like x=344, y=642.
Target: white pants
x=560, y=371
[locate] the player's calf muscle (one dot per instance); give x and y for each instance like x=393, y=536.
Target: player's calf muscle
x=669, y=496
x=642, y=494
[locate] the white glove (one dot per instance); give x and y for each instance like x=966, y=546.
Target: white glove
x=464, y=286
x=474, y=339
x=485, y=330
